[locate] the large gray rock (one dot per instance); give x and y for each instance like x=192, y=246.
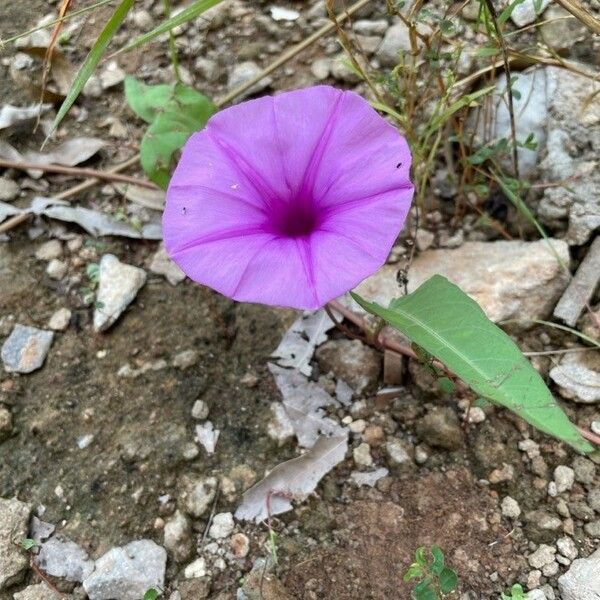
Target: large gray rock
x=39, y=591
x=118, y=285
x=244, y=72
x=61, y=557
x=26, y=348
x=127, y=573
x=14, y=524
x=509, y=279
x=582, y=580
x=578, y=377
x=396, y=41
x=572, y=154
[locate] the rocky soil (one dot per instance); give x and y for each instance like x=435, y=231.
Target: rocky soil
x=136, y=407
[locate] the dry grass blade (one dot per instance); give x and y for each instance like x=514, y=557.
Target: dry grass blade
x=578, y=10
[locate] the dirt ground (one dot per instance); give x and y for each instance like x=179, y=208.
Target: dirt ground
x=345, y=542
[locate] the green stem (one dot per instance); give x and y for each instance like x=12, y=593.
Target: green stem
x=172, y=44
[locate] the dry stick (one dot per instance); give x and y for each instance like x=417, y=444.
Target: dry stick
x=76, y=172
x=384, y=342
x=285, y=57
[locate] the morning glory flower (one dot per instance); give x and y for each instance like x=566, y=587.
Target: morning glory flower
x=288, y=200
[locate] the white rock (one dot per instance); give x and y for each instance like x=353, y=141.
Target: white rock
x=14, y=524
x=85, y=440
x=362, y=455
x=566, y=546
x=578, y=377
x=395, y=41
x=197, y=495
x=543, y=556
x=161, y=264
x=582, y=580
x=573, y=138
x=509, y=279
x=178, y=536
x=9, y=189
x=564, y=477
x=57, y=269
x=279, y=13
x=195, y=569
x=222, y=526
x=536, y=594
x=111, y=75
x=59, y=321
x=207, y=436
x=243, y=72
x=200, y=410
x=280, y=428
x=127, y=573
x=525, y=13
x=510, y=508
x=39, y=591
x=397, y=452
x=118, y=286
x=321, y=68
x=185, y=360
x=61, y=557
x=49, y=250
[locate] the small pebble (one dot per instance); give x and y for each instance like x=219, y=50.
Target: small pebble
x=195, y=569
x=56, y=269
x=566, y=546
x=357, y=426
x=362, y=455
x=222, y=526
x=200, y=410
x=185, y=360
x=49, y=250
x=510, y=508
x=240, y=545
x=564, y=477
x=59, y=321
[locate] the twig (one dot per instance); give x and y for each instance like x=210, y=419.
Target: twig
x=44, y=578
x=589, y=435
x=77, y=172
x=212, y=514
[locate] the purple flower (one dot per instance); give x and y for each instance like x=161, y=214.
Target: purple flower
x=289, y=200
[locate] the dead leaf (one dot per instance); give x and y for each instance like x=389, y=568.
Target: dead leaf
x=69, y=154
x=299, y=342
x=303, y=402
x=369, y=478
x=294, y=479
x=94, y=222
x=154, y=199
x=12, y=115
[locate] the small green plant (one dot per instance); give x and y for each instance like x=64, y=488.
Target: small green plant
x=436, y=580
x=151, y=594
x=28, y=544
x=516, y=593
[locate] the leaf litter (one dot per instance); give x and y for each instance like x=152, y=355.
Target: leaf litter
x=294, y=479
x=300, y=341
x=96, y=223
x=304, y=401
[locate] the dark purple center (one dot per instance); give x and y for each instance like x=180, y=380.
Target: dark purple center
x=293, y=218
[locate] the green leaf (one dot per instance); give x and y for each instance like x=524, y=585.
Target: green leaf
x=423, y=590
x=92, y=59
x=28, y=543
x=446, y=385
x=184, y=113
x=448, y=580
x=437, y=566
x=146, y=100
x=447, y=323
x=151, y=594
x=421, y=557
x=415, y=571
x=191, y=12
